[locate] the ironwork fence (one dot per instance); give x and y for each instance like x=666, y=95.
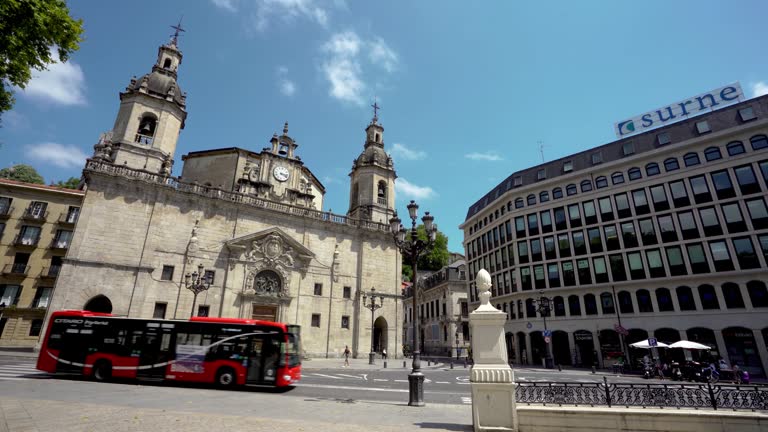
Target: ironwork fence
x=685, y=395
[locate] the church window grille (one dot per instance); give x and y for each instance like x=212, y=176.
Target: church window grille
x=210, y=275
x=203, y=310
x=345, y=322
x=347, y=292
x=167, y=273
x=316, y=320
x=318, y=289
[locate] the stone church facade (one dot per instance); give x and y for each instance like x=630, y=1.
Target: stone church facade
x=250, y=220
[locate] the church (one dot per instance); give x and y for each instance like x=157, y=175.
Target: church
x=241, y=233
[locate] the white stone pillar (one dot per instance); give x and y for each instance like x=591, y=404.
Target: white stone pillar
x=493, y=387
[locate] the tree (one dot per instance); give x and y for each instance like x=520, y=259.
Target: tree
x=70, y=183
x=29, y=30
x=22, y=173
x=435, y=259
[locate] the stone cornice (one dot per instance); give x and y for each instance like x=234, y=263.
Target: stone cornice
x=76, y=262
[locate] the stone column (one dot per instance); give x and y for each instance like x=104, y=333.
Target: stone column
x=722, y=350
x=493, y=387
x=762, y=350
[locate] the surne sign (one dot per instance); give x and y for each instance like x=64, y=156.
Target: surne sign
x=677, y=111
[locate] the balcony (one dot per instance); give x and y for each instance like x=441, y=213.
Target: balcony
x=143, y=139
x=5, y=212
x=32, y=214
x=27, y=241
x=50, y=272
x=68, y=219
x=57, y=244
x=16, y=269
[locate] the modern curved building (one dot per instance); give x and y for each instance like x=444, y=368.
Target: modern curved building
x=662, y=234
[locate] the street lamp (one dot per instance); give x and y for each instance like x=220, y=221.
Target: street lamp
x=197, y=283
x=544, y=306
x=413, y=248
x=372, y=306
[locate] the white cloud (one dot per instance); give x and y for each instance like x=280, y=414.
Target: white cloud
x=227, y=5
x=399, y=150
x=286, y=86
x=343, y=65
x=488, y=156
x=759, y=88
x=288, y=11
x=61, y=83
x=60, y=155
x=410, y=190
x=329, y=180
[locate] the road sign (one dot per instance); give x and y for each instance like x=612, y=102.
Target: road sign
x=652, y=342
x=529, y=326
x=547, y=333
x=547, y=339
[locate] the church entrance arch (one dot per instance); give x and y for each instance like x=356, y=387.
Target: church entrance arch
x=379, y=334
x=267, y=286
x=99, y=303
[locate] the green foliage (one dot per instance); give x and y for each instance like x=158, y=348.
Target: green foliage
x=70, y=183
x=434, y=259
x=22, y=173
x=29, y=30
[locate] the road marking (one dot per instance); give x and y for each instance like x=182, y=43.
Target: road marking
x=325, y=376
x=401, y=380
x=442, y=382
x=462, y=378
x=350, y=376
x=365, y=377
x=466, y=400
x=379, y=379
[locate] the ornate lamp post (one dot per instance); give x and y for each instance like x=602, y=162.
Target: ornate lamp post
x=544, y=306
x=372, y=306
x=413, y=248
x=197, y=283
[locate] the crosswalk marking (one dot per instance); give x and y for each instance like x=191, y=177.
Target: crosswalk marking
x=466, y=400
x=20, y=371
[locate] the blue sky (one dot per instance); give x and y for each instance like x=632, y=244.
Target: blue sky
x=467, y=91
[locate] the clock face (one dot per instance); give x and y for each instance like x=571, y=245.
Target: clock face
x=281, y=173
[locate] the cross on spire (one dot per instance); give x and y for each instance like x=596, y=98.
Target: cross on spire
x=178, y=28
x=376, y=109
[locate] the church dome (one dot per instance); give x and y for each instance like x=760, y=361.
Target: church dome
x=159, y=84
x=373, y=154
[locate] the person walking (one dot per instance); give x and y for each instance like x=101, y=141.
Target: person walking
x=346, y=355
x=736, y=373
x=384, y=353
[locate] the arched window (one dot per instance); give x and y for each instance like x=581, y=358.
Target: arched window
x=652, y=169
x=708, y=297
x=99, y=303
x=617, y=178
x=559, y=306
x=732, y=296
x=712, y=153
x=664, y=300
x=382, y=193
x=519, y=203
x=601, y=182
x=758, y=294
x=146, y=131
x=512, y=309
x=634, y=173
x=759, y=142
x=625, y=302
x=644, y=301
x=574, y=305
x=544, y=196
x=167, y=63
x=671, y=164
x=590, y=305
x=685, y=298
x=691, y=159
x=606, y=301
x=531, y=199
x=557, y=193
x=530, y=308
x=586, y=186
x=570, y=189
x=735, y=148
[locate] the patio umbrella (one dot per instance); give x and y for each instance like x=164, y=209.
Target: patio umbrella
x=684, y=344
x=644, y=344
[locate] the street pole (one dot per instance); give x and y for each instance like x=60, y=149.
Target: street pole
x=372, y=306
x=197, y=283
x=624, y=349
x=544, y=308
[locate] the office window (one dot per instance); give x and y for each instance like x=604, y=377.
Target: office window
x=625, y=302
x=664, y=300
x=549, y=248
x=688, y=226
x=758, y=294
x=574, y=305
x=712, y=154
x=586, y=186
x=652, y=169
x=525, y=278
x=720, y=256
x=345, y=322
x=522, y=252
x=597, y=158
x=590, y=214
x=745, y=176
x=519, y=203
x=697, y=258
x=655, y=265
x=316, y=320
x=611, y=237
x=553, y=275
x=758, y=213
x=574, y=215
x=667, y=229
x=628, y=234
x=531, y=199
x=735, y=148
x=622, y=205
x=544, y=197
x=675, y=261
x=538, y=277
x=606, y=210
x=590, y=304
x=671, y=164
x=564, y=245
x=617, y=178
x=160, y=309
x=167, y=273
x=644, y=303
x=601, y=182
x=520, y=226
x=569, y=277
x=546, y=221
x=601, y=270
x=535, y=250
x=685, y=299
x=585, y=275
x=647, y=232
x=617, y=267
x=702, y=127
x=663, y=138
x=691, y=159
x=571, y=190
x=567, y=166
x=641, y=202
x=318, y=289
x=557, y=193
x=734, y=221
x=595, y=242
x=759, y=142
x=541, y=174
x=659, y=198
x=560, y=222
x=606, y=301
x=722, y=183
x=634, y=174
x=628, y=148
x=708, y=297
x=745, y=253
x=700, y=189
x=347, y=292
x=579, y=245
x=533, y=224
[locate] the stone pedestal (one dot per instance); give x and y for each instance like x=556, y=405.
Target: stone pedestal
x=493, y=386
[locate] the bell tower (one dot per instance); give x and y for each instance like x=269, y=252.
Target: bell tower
x=372, y=180
x=151, y=116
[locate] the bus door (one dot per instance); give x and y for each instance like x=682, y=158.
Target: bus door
x=263, y=359
x=155, y=350
x=74, y=345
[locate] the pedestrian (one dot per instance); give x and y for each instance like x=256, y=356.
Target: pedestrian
x=384, y=353
x=736, y=373
x=346, y=355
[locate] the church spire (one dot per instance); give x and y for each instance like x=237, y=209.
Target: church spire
x=175, y=36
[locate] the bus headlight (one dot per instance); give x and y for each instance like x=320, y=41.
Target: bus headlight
x=287, y=377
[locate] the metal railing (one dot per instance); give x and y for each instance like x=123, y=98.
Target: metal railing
x=59, y=244
x=686, y=395
x=144, y=139
x=211, y=192
x=22, y=240
x=5, y=212
x=50, y=272
x=67, y=218
x=16, y=269
x=34, y=214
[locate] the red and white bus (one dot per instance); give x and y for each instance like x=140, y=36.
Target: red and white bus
x=222, y=351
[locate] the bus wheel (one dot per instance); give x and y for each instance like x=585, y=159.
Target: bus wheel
x=226, y=377
x=102, y=371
